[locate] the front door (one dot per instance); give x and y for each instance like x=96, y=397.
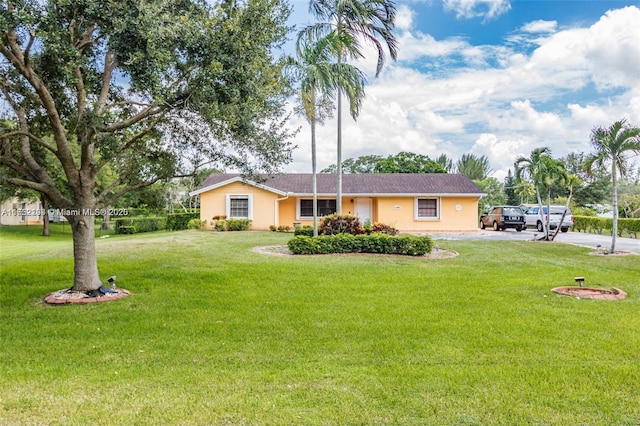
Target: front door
x=363, y=209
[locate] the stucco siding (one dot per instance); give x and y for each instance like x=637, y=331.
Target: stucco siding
x=388, y=202
x=262, y=204
x=400, y=212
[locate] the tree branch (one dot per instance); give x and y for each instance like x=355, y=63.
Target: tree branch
x=16, y=58
x=108, y=200
x=150, y=111
x=109, y=66
x=30, y=136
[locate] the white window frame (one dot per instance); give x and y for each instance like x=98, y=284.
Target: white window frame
x=417, y=217
x=298, y=216
x=248, y=197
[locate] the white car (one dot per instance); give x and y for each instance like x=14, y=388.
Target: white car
x=533, y=219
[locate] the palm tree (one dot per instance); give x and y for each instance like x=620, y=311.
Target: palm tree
x=473, y=166
x=320, y=78
x=611, y=144
x=445, y=162
x=525, y=190
x=351, y=21
x=542, y=171
x=571, y=182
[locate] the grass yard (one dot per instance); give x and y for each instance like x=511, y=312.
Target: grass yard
x=216, y=334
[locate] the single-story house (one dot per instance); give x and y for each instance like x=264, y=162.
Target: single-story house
x=16, y=211
x=410, y=202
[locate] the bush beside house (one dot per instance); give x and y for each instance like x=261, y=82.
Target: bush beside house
x=345, y=234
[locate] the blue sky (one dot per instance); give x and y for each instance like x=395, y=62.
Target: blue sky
x=491, y=77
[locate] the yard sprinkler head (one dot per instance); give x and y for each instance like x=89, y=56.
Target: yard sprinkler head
x=437, y=247
x=598, y=247
x=112, y=281
x=579, y=280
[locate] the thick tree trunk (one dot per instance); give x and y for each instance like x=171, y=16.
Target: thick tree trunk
x=85, y=274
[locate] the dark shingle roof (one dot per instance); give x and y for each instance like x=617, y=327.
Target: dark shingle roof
x=359, y=184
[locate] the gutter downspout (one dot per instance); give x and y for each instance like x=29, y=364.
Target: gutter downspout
x=276, y=208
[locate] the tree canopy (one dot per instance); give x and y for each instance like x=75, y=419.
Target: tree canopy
x=143, y=89
x=403, y=162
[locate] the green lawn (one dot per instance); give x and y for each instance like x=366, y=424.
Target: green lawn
x=216, y=334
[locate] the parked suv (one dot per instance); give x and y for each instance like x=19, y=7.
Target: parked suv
x=534, y=220
x=502, y=217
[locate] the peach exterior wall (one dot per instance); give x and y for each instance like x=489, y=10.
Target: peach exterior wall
x=213, y=203
x=384, y=210
x=464, y=219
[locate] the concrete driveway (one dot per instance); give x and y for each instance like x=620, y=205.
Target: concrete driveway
x=578, y=238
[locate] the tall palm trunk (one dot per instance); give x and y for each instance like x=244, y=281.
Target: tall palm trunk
x=614, y=228
x=564, y=214
x=548, y=221
x=314, y=176
x=339, y=157
x=541, y=214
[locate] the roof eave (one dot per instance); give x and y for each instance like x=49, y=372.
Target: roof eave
x=237, y=179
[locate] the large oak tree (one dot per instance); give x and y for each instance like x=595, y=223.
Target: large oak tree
x=138, y=87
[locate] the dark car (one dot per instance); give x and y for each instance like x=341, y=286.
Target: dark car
x=503, y=217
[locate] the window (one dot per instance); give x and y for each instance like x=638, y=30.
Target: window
x=427, y=208
x=239, y=207
x=325, y=207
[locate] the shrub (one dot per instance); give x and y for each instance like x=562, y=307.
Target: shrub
x=346, y=243
x=600, y=224
x=133, y=225
x=220, y=225
x=273, y=228
x=304, y=230
x=180, y=221
x=384, y=229
x=219, y=217
x=631, y=225
x=340, y=224
x=238, y=224
x=231, y=224
x=126, y=230
x=196, y=224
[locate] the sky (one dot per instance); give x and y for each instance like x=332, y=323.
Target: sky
x=497, y=78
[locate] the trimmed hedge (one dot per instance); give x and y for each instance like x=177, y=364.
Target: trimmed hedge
x=304, y=230
x=408, y=245
x=136, y=225
x=600, y=224
x=231, y=224
x=180, y=221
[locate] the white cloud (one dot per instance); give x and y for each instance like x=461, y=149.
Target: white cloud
x=502, y=103
x=468, y=9
x=540, y=26
x=404, y=18
x=501, y=153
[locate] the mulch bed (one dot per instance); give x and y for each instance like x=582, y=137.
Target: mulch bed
x=591, y=293
x=283, y=250
x=615, y=253
x=67, y=296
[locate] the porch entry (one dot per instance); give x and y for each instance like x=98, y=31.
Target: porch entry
x=362, y=207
